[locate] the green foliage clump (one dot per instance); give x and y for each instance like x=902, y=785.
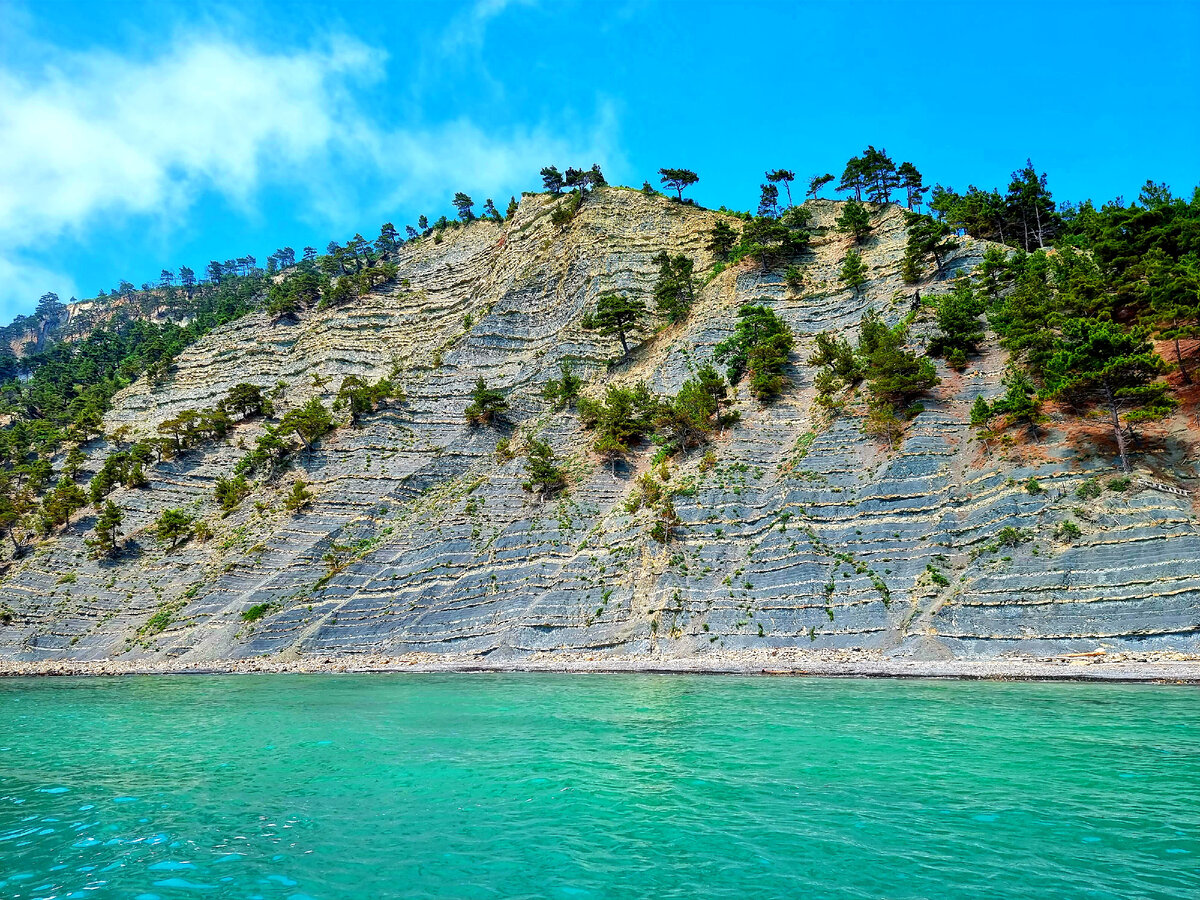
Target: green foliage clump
x=360, y=397
x=230, y=492
x=1120, y=485
x=616, y=314
x=674, y=292
x=309, y=423
x=173, y=527
x=959, y=329
x=257, y=611
x=545, y=478
x=103, y=542
x=1105, y=364
x=158, y=622
x=1008, y=536
x=759, y=346
x=299, y=497
x=487, y=406
x=855, y=220
x=853, y=273
x=563, y=391
x=1067, y=531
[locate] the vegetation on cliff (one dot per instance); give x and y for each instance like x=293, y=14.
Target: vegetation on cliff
x=1074, y=293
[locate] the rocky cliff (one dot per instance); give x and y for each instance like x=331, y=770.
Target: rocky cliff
x=804, y=534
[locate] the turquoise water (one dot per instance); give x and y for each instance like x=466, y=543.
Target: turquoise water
x=578, y=787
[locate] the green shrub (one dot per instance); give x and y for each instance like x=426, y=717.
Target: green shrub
x=937, y=577
x=230, y=492
x=1011, y=537
x=760, y=346
x=1067, y=531
x=257, y=611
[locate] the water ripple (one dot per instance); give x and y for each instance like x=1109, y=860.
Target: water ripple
x=293, y=788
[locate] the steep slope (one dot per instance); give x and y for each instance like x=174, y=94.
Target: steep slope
x=805, y=533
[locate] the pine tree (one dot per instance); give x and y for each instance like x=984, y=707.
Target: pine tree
x=512, y=208
x=853, y=273
x=928, y=236
x=1019, y=403
x=674, y=291
x=817, y=182
x=960, y=331
x=463, y=204
x=552, y=179
x=563, y=391
x=911, y=182
x=678, y=179
x=785, y=177
x=388, y=239
x=310, y=423
x=768, y=203
x=616, y=314
x=879, y=175
x=173, y=526
x=103, y=543
x=545, y=478
x=855, y=220
x=621, y=420
x=487, y=406
x=1105, y=364
x=1173, y=291
x=981, y=412
x=854, y=178
x=760, y=345
x=721, y=239
x=1032, y=207
x=299, y=497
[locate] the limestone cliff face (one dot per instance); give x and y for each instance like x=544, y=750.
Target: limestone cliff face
x=806, y=533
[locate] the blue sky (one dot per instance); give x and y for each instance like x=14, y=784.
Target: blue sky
x=139, y=136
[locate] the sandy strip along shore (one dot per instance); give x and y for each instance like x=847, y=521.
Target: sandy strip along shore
x=1143, y=667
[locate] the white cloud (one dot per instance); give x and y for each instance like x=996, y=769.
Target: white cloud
x=469, y=27
x=95, y=138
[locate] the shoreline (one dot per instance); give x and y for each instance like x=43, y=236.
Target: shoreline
x=1164, y=667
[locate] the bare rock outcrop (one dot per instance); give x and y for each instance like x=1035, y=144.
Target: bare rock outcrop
x=804, y=534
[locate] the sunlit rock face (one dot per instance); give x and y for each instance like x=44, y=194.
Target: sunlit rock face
x=804, y=533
